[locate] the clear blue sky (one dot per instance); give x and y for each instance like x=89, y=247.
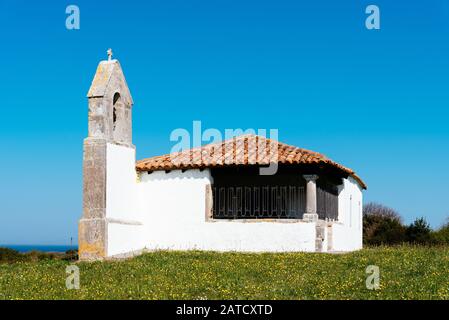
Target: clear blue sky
x=376, y=101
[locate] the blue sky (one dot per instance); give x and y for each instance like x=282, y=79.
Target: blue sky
x=373, y=100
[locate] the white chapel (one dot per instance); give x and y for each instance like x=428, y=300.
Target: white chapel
x=212, y=197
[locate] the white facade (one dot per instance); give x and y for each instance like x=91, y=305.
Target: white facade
x=168, y=211
x=175, y=218
x=347, y=231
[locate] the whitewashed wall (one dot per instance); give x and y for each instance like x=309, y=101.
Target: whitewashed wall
x=124, y=238
x=175, y=218
x=125, y=230
x=168, y=211
x=347, y=232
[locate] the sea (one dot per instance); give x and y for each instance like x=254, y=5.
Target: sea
x=43, y=248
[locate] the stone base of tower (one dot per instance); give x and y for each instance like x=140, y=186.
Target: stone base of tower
x=92, y=239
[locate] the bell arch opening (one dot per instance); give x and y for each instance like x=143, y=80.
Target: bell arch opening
x=115, y=103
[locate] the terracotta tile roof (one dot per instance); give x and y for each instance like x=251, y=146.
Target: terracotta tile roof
x=240, y=151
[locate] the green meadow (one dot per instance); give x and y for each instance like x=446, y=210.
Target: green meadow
x=406, y=272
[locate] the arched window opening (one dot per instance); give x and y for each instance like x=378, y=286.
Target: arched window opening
x=115, y=101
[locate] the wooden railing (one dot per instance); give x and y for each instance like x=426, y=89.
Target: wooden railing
x=327, y=202
x=258, y=202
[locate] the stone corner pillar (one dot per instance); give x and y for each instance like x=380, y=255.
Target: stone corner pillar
x=92, y=227
x=311, y=214
x=209, y=203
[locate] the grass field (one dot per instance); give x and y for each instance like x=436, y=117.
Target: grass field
x=405, y=273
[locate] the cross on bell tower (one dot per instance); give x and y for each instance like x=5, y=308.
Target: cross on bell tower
x=109, y=52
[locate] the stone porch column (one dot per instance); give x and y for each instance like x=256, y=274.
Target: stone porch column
x=311, y=214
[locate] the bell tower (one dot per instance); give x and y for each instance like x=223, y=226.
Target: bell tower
x=110, y=104
x=109, y=138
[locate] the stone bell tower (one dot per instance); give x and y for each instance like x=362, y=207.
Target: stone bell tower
x=109, y=139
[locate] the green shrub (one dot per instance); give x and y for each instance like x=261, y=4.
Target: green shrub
x=441, y=236
x=70, y=255
x=39, y=256
x=419, y=232
x=382, y=225
x=8, y=255
x=382, y=231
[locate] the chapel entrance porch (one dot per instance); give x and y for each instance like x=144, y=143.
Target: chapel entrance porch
x=292, y=193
